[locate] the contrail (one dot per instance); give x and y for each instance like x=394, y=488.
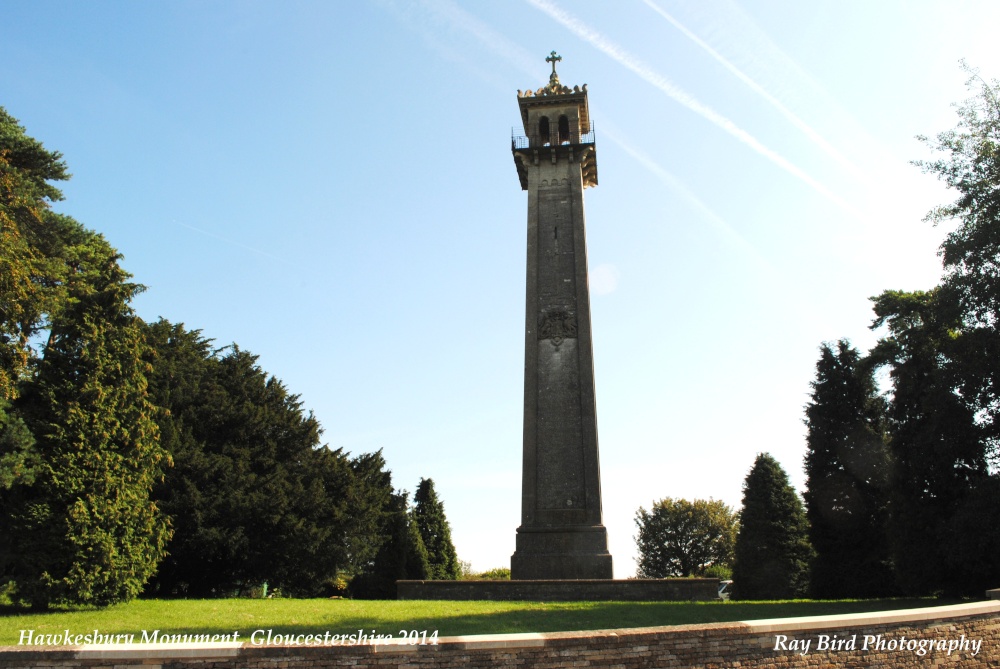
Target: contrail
x=723, y=228
x=640, y=68
x=228, y=241
x=827, y=148
x=486, y=35
x=426, y=18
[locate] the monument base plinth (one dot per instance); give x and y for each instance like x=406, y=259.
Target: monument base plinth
x=571, y=552
x=583, y=590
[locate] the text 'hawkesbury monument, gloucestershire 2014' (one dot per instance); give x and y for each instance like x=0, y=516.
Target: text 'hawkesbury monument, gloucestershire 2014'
x=562, y=544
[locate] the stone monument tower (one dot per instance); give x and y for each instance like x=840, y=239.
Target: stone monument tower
x=562, y=535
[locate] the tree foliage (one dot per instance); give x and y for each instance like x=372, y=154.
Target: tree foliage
x=681, y=538
x=941, y=351
x=847, y=469
x=78, y=514
x=969, y=295
x=772, y=552
x=253, y=495
x=29, y=275
x=402, y=554
x=938, y=455
x=435, y=533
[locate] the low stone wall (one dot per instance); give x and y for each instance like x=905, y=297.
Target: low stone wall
x=962, y=636
x=598, y=590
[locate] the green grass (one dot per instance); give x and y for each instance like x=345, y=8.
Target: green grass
x=343, y=616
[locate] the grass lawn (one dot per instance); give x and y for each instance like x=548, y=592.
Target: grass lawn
x=342, y=616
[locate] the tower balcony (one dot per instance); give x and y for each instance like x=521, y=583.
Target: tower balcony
x=551, y=139
x=574, y=147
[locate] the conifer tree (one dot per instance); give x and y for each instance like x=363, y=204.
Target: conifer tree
x=938, y=452
x=847, y=468
x=435, y=532
x=253, y=495
x=81, y=523
x=772, y=547
x=402, y=555
x=30, y=278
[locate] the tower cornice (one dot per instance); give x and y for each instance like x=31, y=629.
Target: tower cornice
x=584, y=153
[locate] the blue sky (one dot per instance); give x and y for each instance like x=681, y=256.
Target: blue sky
x=329, y=185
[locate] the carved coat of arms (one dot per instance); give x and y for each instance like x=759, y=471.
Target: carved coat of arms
x=557, y=325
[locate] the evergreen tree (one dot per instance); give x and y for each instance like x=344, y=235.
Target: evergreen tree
x=847, y=468
x=253, y=496
x=417, y=561
x=80, y=522
x=30, y=277
x=20, y=462
x=937, y=448
x=681, y=538
x=772, y=547
x=435, y=532
x=401, y=556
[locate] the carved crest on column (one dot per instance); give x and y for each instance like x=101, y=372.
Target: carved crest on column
x=557, y=325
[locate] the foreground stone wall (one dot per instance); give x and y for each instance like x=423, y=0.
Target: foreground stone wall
x=966, y=635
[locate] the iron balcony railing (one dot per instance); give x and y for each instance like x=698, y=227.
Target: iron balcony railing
x=551, y=139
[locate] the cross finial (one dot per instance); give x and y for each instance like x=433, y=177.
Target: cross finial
x=553, y=58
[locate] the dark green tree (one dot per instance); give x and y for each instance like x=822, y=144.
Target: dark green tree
x=79, y=518
x=30, y=279
x=428, y=514
x=401, y=555
x=938, y=454
x=20, y=462
x=254, y=496
x=681, y=538
x=371, y=498
x=847, y=469
x=772, y=553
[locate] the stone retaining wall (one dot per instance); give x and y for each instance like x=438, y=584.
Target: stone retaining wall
x=891, y=639
x=582, y=590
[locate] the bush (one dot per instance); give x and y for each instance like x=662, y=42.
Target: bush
x=495, y=574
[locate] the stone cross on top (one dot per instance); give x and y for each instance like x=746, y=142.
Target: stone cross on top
x=553, y=58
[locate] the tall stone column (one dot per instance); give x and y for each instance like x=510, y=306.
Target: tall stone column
x=562, y=535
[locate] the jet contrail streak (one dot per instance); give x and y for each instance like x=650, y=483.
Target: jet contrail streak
x=817, y=139
x=640, y=68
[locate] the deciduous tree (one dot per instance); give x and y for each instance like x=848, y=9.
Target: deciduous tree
x=968, y=161
x=681, y=538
